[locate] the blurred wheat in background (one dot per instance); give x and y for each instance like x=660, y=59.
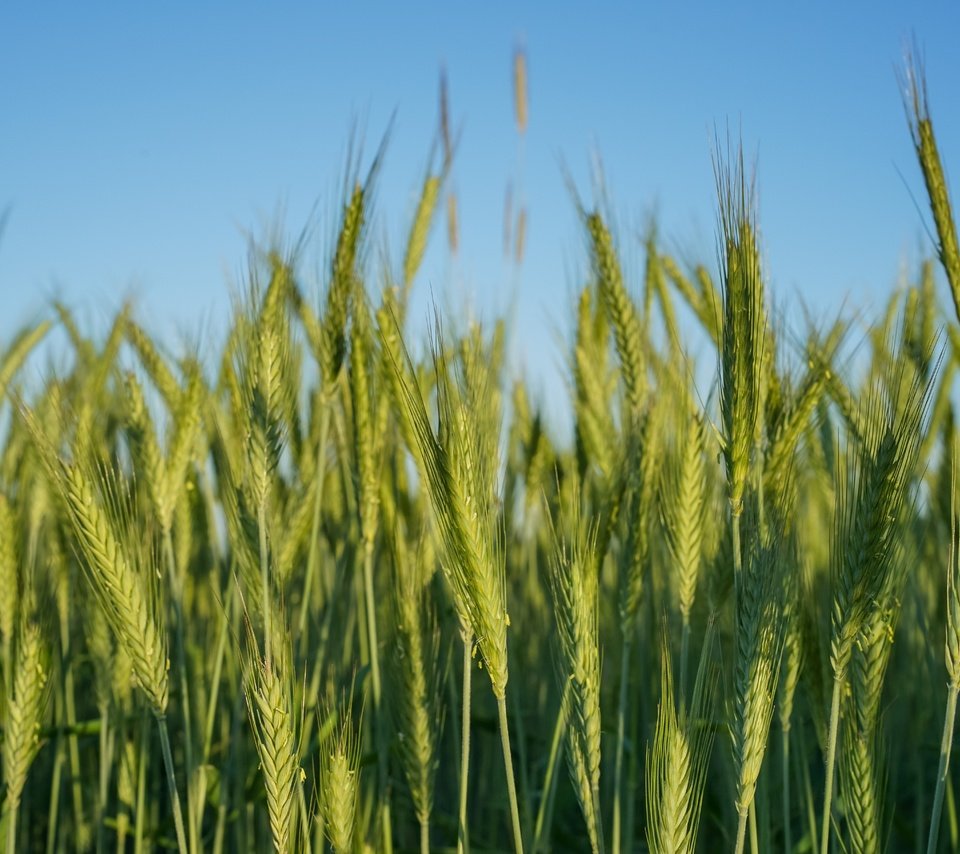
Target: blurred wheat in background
x=339, y=588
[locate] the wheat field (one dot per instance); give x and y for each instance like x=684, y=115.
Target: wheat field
x=343, y=588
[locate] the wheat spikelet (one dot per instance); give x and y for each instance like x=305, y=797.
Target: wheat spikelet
x=420, y=228
x=627, y=328
x=342, y=271
x=743, y=327
x=340, y=783
x=575, y=591
x=366, y=450
x=417, y=705
x=594, y=386
x=269, y=706
x=25, y=711
x=921, y=127
x=154, y=364
x=23, y=343
x=862, y=789
x=520, y=89
x=685, y=492
x=453, y=230
x=759, y=645
x=122, y=585
x=458, y=471
x=144, y=440
x=676, y=763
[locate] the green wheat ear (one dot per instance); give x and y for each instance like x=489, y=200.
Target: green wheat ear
x=678, y=758
x=268, y=686
x=25, y=711
x=574, y=580
x=340, y=780
x=921, y=128
x=743, y=326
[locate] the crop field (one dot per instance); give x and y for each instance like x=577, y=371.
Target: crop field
x=343, y=587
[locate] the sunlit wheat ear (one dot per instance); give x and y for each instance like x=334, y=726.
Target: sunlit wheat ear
x=333, y=339
x=25, y=711
x=574, y=571
x=621, y=310
x=143, y=438
x=594, y=385
x=684, y=491
x=269, y=695
x=123, y=584
x=870, y=507
x=423, y=219
x=743, y=325
x=153, y=363
x=340, y=781
x=759, y=646
x=264, y=364
x=641, y=470
x=459, y=481
x=861, y=779
x=366, y=443
x=417, y=681
x=677, y=760
x=520, y=89
x=921, y=127
x=21, y=346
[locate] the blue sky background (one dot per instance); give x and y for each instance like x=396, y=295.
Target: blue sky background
x=142, y=143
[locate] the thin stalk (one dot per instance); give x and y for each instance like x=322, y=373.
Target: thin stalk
x=463, y=845
x=104, y=780
x=12, y=826
x=741, y=833
x=595, y=795
x=384, y=800
x=172, y=784
x=550, y=778
x=508, y=767
x=831, y=761
x=737, y=569
x=141, y=819
x=618, y=758
x=53, y=810
x=952, y=816
x=946, y=742
x=752, y=823
x=785, y=777
x=424, y=837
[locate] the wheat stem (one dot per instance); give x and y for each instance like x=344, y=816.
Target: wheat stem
x=741, y=833
x=550, y=777
x=785, y=778
x=831, y=762
x=384, y=802
x=463, y=845
x=508, y=767
x=946, y=743
x=615, y=844
x=172, y=783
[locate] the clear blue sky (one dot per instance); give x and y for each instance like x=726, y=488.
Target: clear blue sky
x=141, y=142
